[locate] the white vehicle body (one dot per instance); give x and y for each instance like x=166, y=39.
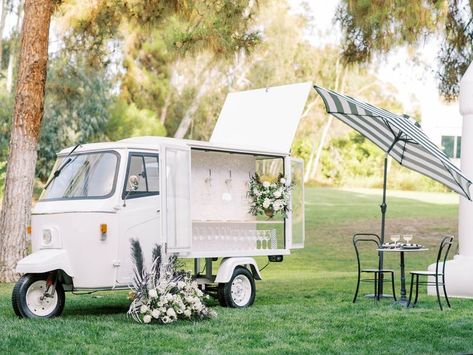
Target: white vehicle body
x=192, y=198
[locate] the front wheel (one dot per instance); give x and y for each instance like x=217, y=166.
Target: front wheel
x=30, y=299
x=240, y=291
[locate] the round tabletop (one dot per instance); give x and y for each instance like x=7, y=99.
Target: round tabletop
x=398, y=250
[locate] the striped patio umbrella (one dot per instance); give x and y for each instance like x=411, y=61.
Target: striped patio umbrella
x=401, y=138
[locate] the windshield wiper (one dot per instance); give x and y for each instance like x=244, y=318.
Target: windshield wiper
x=58, y=171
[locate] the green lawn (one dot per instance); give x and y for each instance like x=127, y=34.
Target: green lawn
x=303, y=305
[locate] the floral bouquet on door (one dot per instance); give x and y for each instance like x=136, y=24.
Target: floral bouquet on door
x=164, y=294
x=269, y=197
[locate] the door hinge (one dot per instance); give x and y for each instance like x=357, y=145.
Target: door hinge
x=116, y=263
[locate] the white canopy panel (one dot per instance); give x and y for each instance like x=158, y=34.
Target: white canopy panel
x=266, y=119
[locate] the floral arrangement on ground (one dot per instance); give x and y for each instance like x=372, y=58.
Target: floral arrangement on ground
x=164, y=294
x=269, y=197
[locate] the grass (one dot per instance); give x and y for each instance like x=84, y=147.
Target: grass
x=303, y=305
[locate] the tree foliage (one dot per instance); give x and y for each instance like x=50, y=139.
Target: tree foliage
x=126, y=120
x=376, y=27
x=76, y=108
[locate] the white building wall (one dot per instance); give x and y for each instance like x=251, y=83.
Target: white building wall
x=441, y=119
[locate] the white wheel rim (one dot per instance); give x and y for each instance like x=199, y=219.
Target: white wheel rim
x=241, y=290
x=36, y=302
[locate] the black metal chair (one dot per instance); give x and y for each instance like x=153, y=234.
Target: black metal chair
x=442, y=255
x=376, y=272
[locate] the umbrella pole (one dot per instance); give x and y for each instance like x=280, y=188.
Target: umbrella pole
x=383, y=207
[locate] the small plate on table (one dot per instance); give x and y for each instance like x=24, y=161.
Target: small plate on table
x=411, y=246
x=390, y=246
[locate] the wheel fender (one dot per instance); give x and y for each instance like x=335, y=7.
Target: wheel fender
x=45, y=260
x=225, y=270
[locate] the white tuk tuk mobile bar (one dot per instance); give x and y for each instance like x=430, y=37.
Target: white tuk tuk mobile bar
x=188, y=196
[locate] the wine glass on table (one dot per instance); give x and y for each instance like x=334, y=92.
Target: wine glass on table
x=395, y=238
x=408, y=238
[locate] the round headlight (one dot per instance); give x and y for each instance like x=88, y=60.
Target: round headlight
x=47, y=236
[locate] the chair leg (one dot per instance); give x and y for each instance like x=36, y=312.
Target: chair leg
x=417, y=289
x=445, y=291
x=438, y=292
x=394, y=288
x=410, y=292
x=376, y=296
x=357, y=288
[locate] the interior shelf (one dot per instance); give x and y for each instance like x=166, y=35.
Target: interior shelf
x=238, y=222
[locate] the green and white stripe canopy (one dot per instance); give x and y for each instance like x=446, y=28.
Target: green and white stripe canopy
x=399, y=136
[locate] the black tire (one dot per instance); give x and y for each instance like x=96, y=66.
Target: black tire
x=243, y=280
x=25, y=309
x=221, y=296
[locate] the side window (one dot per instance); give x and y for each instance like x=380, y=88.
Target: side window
x=146, y=169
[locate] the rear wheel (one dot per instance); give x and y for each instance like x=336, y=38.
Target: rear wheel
x=240, y=291
x=30, y=299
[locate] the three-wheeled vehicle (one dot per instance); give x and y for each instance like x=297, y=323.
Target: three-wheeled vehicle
x=188, y=196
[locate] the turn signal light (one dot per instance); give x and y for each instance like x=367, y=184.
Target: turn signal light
x=103, y=231
x=28, y=230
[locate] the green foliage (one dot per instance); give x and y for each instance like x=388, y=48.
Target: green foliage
x=126, y=120
x=371, y=28
x=353, y=161
x=6, y=109
x=3, y=170
x=349, y=157
x=152, y=35
x=76, y=108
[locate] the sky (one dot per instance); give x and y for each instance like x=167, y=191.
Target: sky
x=416, y=84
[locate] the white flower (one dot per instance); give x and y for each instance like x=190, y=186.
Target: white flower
x=153, y=293
x=277, y=194
x=147, y=318
x=155, y=313
x=188, y=313
x=171, y=313
x=266, y=203
x=144, y=309
x=278, y=204
x=266, y=184
x=169, y=297
x=282, y=181
x=181, y=285
x=166, y=319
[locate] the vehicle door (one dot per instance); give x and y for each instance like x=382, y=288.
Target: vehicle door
x=139, y=217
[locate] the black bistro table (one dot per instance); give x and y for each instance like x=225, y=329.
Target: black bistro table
x=401, y=250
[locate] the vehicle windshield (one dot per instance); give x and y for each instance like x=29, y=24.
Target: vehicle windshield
x=90, y=175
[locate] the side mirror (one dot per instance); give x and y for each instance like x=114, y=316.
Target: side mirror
x=133, y=182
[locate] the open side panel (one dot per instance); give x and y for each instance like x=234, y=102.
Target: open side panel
x=297, y=222
x=266, y=119
x=176, y=200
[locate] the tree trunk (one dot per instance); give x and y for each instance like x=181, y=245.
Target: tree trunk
x=14, y=48
x=193, y=107
x=315, y=159
x=27, y=116
x=164, y=111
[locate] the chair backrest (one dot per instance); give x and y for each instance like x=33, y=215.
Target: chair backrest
x=442, y=255
x=365, y=238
